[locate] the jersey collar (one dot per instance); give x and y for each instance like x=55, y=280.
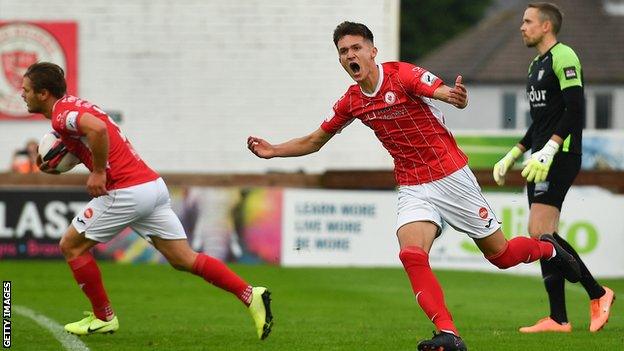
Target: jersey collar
x=57, y=101
x=379, y=82
x=539, y=57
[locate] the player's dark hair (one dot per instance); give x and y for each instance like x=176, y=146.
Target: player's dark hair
x=549, y=12
x=352, y=28
x=48, y=76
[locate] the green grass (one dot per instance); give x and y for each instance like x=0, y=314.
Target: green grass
x=315, y=309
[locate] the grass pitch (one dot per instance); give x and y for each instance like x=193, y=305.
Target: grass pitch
x=315, y=309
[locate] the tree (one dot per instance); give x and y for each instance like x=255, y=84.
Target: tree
x=427, y=24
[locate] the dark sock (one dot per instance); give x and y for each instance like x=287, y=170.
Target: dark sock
x=594, y=290
x=554, y=283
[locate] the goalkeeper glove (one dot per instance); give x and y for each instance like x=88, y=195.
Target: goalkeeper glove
x=536, y=168
x=501, y=167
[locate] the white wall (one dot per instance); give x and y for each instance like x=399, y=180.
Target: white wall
x=194, y=78
x=483, y=110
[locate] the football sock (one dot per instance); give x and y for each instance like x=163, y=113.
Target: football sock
x=593, y=288
x=554, y=283
x=428, y=291
x=89, y=278
x=521, y=249
x=217, y=273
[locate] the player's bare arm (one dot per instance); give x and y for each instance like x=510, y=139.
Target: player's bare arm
x=557, y=139
x=295, y=147
x=456, y=96
x=97, y=135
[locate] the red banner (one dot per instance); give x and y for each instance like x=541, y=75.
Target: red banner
x=25, y=43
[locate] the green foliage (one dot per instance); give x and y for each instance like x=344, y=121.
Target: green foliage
x=314, y=308
x=427, y=24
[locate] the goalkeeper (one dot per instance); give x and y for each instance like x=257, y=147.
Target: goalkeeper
x=556, y=98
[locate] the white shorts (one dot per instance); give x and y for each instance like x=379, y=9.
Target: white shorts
x=146, y=208
x=456, y=199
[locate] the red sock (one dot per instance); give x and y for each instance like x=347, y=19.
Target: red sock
x=428, y=292
x=217, y=273
x=89, y=278
x=521, y=249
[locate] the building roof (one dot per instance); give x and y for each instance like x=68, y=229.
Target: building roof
x=492, y=52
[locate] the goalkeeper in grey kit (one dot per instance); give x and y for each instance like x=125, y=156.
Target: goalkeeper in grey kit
x=557, y=105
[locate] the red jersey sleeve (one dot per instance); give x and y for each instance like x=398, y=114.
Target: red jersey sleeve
x=67, y=123
x=419, y=80
x=339, y=117
x=78, y=148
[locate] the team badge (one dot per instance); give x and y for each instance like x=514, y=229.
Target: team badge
x=390, y=98
x=483, y=212
x=88, y=213
x=540, y=74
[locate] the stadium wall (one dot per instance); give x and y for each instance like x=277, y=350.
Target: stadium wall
x=192, y=79
x=306, y=227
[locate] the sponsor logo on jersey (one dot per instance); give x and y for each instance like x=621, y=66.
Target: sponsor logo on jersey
x=483, y=212
x=88, y=213
x=537, y=96
x=21, y=45
x=386, y=113
x=570, y=72
x=428, y=78
x=71, y=122
x=390, y=98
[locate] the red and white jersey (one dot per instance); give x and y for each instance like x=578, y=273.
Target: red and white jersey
x=124, y=168
x=404, y=119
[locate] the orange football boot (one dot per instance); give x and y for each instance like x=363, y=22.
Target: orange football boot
x=547, y=325
x=600, y=309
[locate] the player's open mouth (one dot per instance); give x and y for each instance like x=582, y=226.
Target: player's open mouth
x=355, y=68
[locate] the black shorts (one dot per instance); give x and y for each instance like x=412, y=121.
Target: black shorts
x=562, y=172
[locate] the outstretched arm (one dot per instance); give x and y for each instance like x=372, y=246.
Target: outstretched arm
x=294, y=147
x=456, y=96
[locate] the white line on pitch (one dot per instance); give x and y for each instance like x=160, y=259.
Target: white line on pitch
x=70, y=342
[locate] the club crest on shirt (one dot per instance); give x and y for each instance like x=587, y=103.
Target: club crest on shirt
x=483, y=212
x=390, y=98
x=570, y=72
x=540, y=74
